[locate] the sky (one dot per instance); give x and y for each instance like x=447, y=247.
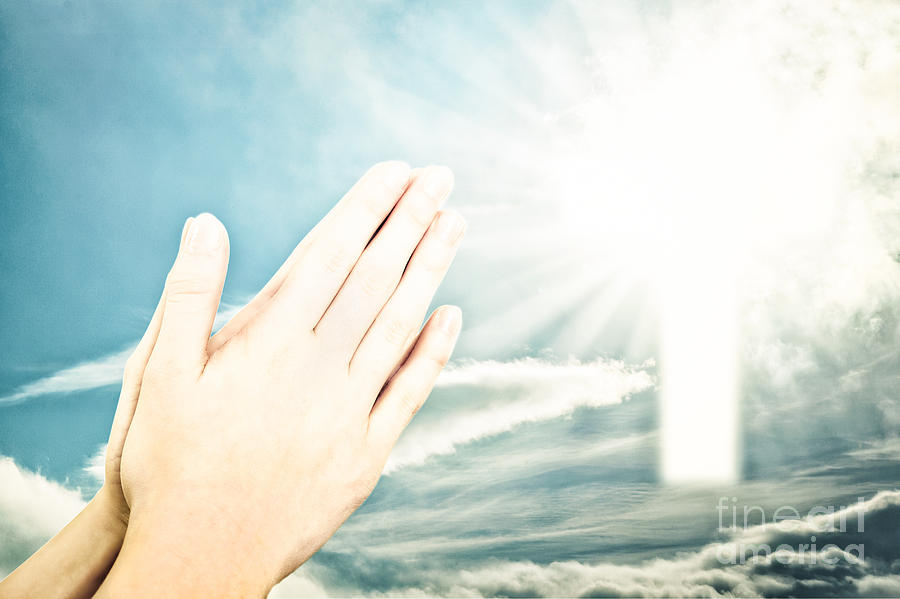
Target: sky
x=622, y=167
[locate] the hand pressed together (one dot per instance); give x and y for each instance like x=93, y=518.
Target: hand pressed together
x=239, y=455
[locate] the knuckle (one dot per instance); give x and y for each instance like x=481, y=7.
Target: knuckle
x=131, y=364
x=181, y=286
x=396, y=332
x=409, y=403
x=382, y=187
x=374, y=203
x=436, y=260
x=373, y=283
x=337, y=259
x=158, y=369
x=162, y=373
x=134, y=367
x=164, y=368
x=438, y=359
x=360, y=491
x=418, y=214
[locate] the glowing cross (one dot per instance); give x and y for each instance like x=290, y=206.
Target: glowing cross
x=699, y=415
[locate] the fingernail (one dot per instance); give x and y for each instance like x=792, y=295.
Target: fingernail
x=438, y=181
x=205, y=234
x=449, y=226
x=396, y=175
x=449, y=319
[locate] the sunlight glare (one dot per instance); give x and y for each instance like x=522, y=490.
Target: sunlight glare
x=696, y=169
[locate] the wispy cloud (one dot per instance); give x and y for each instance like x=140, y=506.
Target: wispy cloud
x=575, y=376
x=490, y=397
x=95, y=467
x=93, y=374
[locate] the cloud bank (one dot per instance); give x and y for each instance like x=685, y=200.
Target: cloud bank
x=32, y=509
x=479, y=399
x=851, y=552
x=736, y=566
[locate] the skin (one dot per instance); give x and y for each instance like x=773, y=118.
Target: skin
x=232, y=459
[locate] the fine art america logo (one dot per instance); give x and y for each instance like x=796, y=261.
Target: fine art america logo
x=787, y=536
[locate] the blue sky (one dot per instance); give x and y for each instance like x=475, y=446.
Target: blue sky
x=585, y=139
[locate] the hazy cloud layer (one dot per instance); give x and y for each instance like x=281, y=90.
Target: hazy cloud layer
x=757, y=561
x=856, y=553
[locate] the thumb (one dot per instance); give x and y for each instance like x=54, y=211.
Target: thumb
x=193, y=290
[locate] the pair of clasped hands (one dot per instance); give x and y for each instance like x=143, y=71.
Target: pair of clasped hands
x=233, y=458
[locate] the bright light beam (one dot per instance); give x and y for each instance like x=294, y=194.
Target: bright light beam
x=699, y=395
x=686, y=153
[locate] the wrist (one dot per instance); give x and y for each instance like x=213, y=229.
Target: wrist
x=111, y=510
x=173, y=552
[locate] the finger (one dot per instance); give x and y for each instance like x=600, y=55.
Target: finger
x=193, y=290
x=132, y=379
x=259, y=303
x=135, y=365
x=312, y=282
x=137, y=361
x=379, y=269
x=393, y=331
x=410, y=387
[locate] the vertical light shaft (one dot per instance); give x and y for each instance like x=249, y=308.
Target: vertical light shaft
x=699, y=375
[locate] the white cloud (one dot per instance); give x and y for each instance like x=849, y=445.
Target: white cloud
x=297, y=585
x=95, y=467
x=790, y=569
x=32, y=509
x=580, y=378
x=504, y=395
x=92, y=374
x=887, y=450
